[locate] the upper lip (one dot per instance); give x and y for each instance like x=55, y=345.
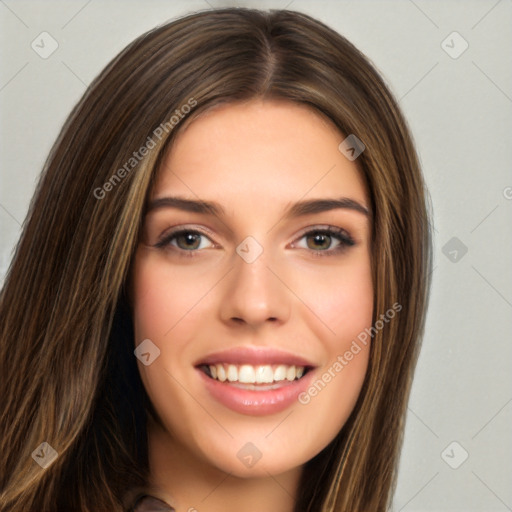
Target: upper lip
x=254, y=356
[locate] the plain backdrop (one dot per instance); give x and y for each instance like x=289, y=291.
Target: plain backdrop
x=449, y=64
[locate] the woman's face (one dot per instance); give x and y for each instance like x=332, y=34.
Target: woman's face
x=255, y=303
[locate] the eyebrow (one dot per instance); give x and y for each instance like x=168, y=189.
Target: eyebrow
x=298, y=209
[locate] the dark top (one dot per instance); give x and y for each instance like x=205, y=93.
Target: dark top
x=149, y=503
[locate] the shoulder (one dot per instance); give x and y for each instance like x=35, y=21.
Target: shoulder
x=148, y=503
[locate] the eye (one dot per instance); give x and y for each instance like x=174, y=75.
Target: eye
x=321, y=241
x=189, y=240
x=327, y=240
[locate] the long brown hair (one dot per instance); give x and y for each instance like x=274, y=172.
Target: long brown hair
x=69, y=376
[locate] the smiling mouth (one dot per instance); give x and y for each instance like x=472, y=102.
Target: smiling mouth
x=255, y=382
x=255, y=377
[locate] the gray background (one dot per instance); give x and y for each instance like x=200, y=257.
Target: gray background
x=460, y=112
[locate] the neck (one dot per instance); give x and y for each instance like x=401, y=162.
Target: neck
x=189, y=484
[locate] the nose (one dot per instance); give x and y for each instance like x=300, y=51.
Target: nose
x=253, y=295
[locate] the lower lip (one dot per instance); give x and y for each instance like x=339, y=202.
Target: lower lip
x=256, y=403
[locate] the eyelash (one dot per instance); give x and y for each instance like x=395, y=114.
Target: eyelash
x=343, y=237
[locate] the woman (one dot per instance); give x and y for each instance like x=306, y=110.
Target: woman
x=218, y=296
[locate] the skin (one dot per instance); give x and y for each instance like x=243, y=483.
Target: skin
x=255, y=159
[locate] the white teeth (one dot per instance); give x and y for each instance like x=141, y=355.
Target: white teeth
x=280, y=372
x=221, y=373
x=264, y=374
x=232, y=373
x=249, y=374
x=246, y=374
x=290, y=373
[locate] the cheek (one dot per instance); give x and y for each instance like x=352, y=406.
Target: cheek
x=161, y=312
x=341, y=301
x=350, y=316
x=162, y=297
x=170, y=307
x=167, y=309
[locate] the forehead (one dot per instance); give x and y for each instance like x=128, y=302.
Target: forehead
x=259, y=151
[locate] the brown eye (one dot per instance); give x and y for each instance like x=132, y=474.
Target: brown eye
x=188, y=240
x=319, y=241
x=184, y=240
x=327, y=241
